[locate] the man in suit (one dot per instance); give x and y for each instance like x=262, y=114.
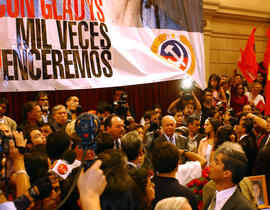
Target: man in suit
x=165, y=160
x=168, y=124
x=114, y=126
x=131, y=145
x=227, y=170
x=247, y=141
x=59, y=114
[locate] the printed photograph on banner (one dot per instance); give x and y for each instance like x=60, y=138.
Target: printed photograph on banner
x=80, y=44
x=173, y=14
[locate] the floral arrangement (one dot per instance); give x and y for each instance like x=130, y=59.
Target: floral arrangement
x=196, y=185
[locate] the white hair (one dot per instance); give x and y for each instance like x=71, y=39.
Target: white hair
x=167, y=117
x=172, y=203
x=234, y=146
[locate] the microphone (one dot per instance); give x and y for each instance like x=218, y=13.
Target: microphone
x=63, y=167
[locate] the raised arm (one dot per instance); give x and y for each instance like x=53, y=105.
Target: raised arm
x=194, y=157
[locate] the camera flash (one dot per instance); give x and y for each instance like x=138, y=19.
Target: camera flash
x=187, y=83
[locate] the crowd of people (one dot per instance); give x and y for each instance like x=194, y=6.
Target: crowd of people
x=144, y=163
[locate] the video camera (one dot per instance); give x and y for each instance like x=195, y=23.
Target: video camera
x=120, y=107
x=87, y=127
x=4, y=143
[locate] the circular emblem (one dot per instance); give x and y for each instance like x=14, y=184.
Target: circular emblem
x=62, y=169
x=177, y=50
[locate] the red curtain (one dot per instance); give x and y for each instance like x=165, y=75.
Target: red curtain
x=140, y=97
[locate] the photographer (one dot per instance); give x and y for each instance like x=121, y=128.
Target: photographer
x=151, y=128
x=186, y=96
x=188, y=103
x=121, y=107
x=13, y=157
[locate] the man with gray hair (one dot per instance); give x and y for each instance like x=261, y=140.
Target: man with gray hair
x=131, y=145
x=168, y=125
x=227, y=170
x=59, y=113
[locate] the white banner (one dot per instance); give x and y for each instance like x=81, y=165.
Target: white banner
x=48, y=48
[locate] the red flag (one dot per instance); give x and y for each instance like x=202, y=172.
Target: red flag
x=248, y=63
x=266, y=57
x=267, y=92
x=260, y=106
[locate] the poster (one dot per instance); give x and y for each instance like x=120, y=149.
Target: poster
x=81, y=44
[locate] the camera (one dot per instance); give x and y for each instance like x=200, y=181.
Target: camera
x=187, y=85
x=79, y=110
x=153, y=126
x=120, y=107
x=4, y=143
x=220, y=107
x=87, y=127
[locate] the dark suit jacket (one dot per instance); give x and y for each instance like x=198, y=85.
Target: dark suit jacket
x=263, y=141
x=237, y=202
x=180, y=141
x=166, y=187
x=249, y=146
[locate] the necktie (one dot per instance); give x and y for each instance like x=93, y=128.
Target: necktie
x=117, y=145
x=213, y=203
x=171, y=139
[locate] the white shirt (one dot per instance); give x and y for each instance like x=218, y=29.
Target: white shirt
x=268, y=140
x=2, y=120
x=8, y=206
x=193, y=144
x=132, y=164
x=208, y=153
x=168, y=138
x=258, y=98
x=188, y=171
x=241, y=137
x=223, y=196
x=119, y=142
